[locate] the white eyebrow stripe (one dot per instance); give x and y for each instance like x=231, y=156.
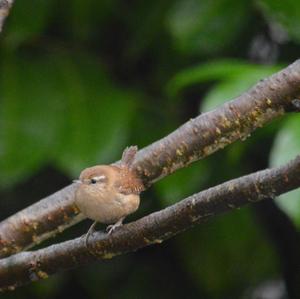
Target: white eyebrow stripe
x=99, y=178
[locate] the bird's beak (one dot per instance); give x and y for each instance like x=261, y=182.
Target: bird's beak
x=77, y=181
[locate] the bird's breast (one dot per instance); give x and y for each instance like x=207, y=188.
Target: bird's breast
x=106, y=208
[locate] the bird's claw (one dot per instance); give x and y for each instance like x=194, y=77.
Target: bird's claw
x=111, y=228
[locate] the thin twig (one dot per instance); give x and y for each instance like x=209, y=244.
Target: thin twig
x=25, y=267
x=196, y=139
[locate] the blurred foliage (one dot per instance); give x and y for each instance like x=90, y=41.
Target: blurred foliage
x=171, y=189
x=202, y=256
x=193, y=23
x=233, y=77
x=286, y=147
x=80, y=80
x=53, y=116
x=286, y=13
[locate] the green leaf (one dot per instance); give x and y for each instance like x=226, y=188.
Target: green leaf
x=63, y=109
x=287, y=13
x=226, y=255
x=182, y=183
x=29, y=116
x=98, y=115
x=211, y=71
x=207, y=27
x=285, y=148
x=28, y=20
x=235, y=85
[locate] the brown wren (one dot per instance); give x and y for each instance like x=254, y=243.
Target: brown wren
x=108, y=193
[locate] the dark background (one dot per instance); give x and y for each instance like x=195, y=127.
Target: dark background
x=81, y=80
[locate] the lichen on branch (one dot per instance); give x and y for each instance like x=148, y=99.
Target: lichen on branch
x=196, y=139
x=25, y=267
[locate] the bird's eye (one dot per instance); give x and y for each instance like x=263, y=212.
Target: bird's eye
x=93, y=181
x=96, y=179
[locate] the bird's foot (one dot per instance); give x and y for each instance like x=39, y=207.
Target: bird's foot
x=111, y=228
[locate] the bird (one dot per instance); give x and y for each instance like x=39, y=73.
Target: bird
x=109, y=193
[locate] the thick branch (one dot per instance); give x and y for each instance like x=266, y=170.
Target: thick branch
x=5, y=6
x=31, y=225
x=25, y=267
x=196, y=139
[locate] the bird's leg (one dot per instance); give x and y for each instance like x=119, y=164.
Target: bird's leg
x=90, y=232
x=111, y=228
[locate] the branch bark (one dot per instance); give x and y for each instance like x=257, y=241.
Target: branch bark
x=5, y=6
x=25, y=267
x=196, y=139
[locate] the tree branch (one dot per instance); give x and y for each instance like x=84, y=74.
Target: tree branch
x=25, y=267
x=196, y=139
x=5, y=6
